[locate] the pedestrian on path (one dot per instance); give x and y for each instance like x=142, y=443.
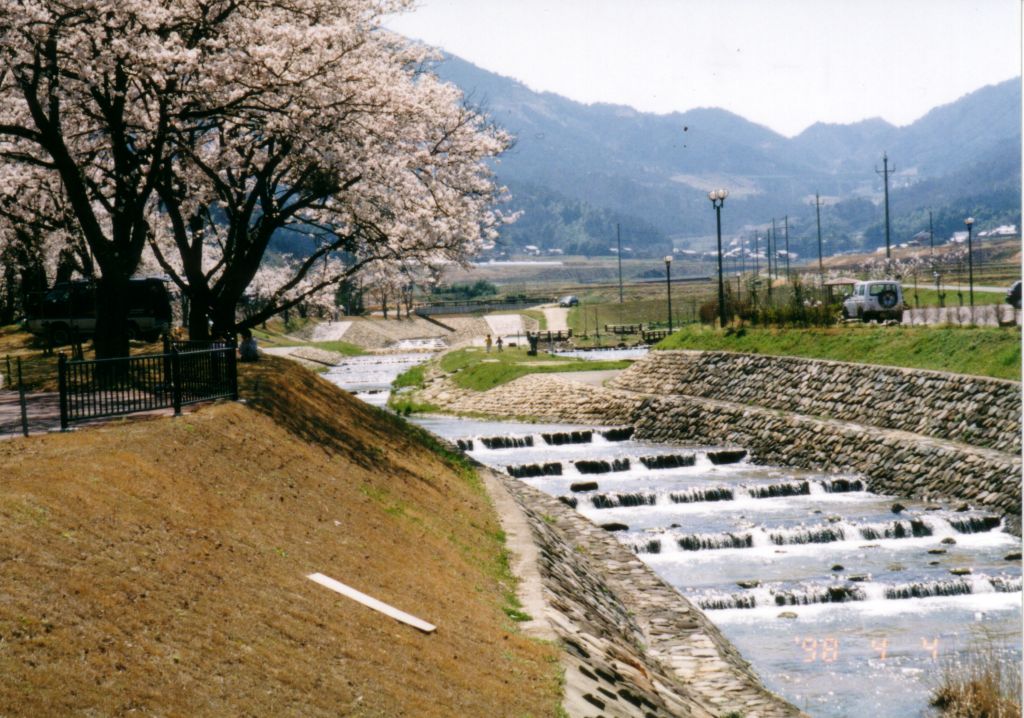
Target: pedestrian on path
x=487, y=342
x=499, y=344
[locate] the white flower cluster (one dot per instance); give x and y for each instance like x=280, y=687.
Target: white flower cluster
x=201, y=130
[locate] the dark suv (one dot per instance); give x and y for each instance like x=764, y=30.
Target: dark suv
x=1013, y=295
x=70, y=307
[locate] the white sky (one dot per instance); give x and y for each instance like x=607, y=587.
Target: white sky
x=782, y=63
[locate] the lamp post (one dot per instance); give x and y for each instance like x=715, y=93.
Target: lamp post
x=970, y=259
x=717, y=197
x=668, y=287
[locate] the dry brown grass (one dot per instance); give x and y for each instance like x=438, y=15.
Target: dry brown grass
x=982, y=685
x=158, y=566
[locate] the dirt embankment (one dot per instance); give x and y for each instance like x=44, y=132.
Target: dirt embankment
x=158, y=567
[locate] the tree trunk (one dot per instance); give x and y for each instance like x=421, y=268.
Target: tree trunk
x=198, y=321
x=111, y=337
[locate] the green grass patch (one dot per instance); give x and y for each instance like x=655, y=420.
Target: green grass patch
x=981, y=351
x=930, y=298
x=340, y=347
x=413, y=377
x=478, y=370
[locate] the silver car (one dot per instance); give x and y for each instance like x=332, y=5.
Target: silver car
x=878, y=300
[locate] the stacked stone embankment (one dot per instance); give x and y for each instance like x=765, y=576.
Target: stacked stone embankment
x=893, y=462
x=635, y=646
x=967, y=409
x=538, y=396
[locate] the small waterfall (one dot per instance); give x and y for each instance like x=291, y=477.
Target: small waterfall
x=896, y=529
x=668, y=461
x=464, y=444
x=973, y=524
x=926, y=589
x=649, y=546
x=569, y=501
x=595, y=466
x=772, y=491
x=568, y=437
x=697, y=542
x=835, y=593
x=812, y=534
x=618, y=433
x=718, y=493
x=506, y=442
x=529, y=471
x=726, y=456
x=612, y=500
x=836, y=486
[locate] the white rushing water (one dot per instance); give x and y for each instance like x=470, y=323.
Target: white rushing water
x=842, y=606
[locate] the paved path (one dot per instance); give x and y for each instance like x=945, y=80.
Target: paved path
x=505, y=325
x=557, y=317
x=329, y=331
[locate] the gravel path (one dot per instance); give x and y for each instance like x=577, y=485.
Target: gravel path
x=557, y=318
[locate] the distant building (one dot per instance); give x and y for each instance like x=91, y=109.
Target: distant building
x=1003, y=230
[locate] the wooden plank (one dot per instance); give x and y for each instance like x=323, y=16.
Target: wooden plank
x=371, y=602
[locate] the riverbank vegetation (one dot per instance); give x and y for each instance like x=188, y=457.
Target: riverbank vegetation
x=982, y=351
x=476, y=369
x=980, y=685
x=159, y=566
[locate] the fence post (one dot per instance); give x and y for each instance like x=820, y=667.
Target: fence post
x=233, y=369
x=21, y=401
x=62, y=388
x=176, y=381
x=168, y=379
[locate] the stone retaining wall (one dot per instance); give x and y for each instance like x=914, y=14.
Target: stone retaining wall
x=636, y=647
x=893, y=462
x=972, y=410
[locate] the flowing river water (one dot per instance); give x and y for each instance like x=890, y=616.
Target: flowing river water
x=844, y=606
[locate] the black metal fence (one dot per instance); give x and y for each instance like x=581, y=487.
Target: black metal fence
x=25, y=403
x=110, y=387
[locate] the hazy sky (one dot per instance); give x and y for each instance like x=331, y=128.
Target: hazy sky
x=782, y=63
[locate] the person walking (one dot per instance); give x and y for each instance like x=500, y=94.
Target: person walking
x=500, y=344
x=487, y=343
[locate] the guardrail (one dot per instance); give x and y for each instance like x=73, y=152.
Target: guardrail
x=623, y=328
x=100, y=388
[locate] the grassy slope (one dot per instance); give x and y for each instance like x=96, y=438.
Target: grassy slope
x=158, y=566
x=477, y=370
x=983, y=351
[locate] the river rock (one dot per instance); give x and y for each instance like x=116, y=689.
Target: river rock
x=960, y=571
x=936, y=551
x=613, y=526
x=1015, y=556
x=583, y=486
x=949, y=541
x=898, y=507
x=838, y=567
x=787, y=614
x=748, y=583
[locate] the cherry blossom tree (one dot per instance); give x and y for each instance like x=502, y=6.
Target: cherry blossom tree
x=204, y=128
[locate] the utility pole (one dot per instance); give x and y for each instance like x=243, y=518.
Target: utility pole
x=757, y=267
x=931, y=236
x=618, y=239
x=885, y=173
x=787, y=249
x=821, y=266
x=775, y=238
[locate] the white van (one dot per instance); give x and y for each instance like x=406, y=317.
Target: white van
x=880, y=300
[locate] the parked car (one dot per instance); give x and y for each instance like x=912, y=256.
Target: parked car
x=1013, y=295
x=70, y=307
x=878, y=300
x=570, y=300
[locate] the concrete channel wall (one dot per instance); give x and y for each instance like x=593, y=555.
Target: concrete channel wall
x=972, y=410
x=635, y=646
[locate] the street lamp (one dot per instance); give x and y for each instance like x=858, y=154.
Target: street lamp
x=717, y=197
x=970, y=259
x=668, y=286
